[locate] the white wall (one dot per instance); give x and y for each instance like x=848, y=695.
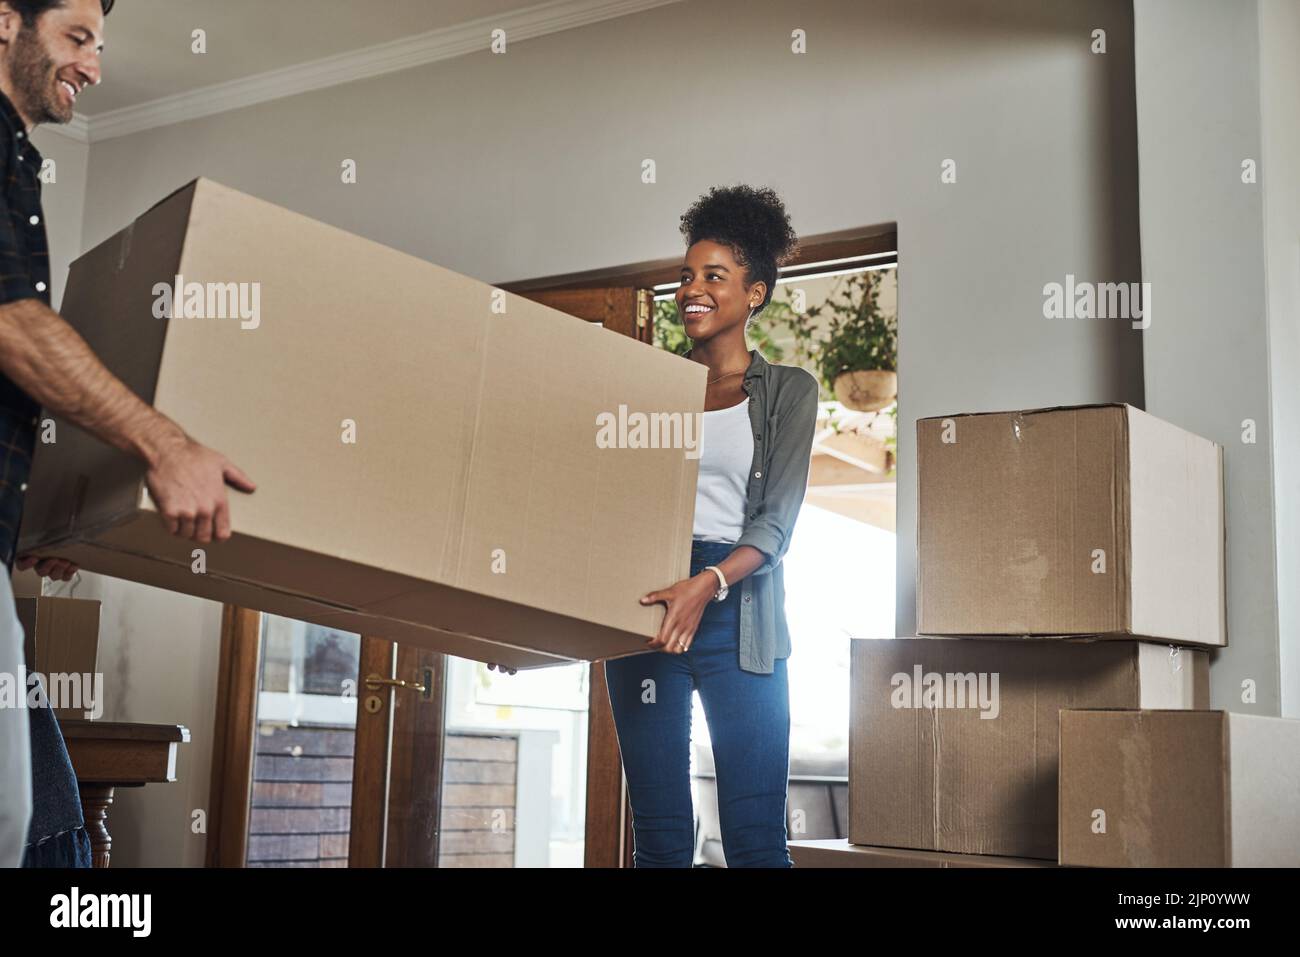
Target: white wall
x=1205, y=249
x=158, y=653
x=527, y=164
x=1279, y=68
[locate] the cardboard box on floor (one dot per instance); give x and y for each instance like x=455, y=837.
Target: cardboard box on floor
x=429, y=468
x=1179, y=789
x=840, y=853
x=61, y=641
x=978, y=774
x=1095, y=520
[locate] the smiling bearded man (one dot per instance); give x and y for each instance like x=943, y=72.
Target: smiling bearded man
x=49, y=53
x=48, y=89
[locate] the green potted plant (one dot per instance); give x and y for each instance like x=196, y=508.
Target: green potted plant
x=856, y=349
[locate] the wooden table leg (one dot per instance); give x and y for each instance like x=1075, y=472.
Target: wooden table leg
x=95, y=799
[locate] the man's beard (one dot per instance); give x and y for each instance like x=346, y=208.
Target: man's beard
x=31, y=71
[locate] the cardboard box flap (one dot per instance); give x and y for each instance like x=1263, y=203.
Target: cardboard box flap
x=1177, y=543
x=1263, y=790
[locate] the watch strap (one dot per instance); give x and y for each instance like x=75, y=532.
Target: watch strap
x=722, y=581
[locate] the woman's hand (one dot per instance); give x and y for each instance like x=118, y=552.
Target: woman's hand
x=502, y=668
x=686, y=602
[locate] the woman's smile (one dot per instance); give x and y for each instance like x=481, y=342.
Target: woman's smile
x=695, y=312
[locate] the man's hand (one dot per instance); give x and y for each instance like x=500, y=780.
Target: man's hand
x=188, y=483
x=686, y=602
x=60, y=569
x=501, y=668
x=51, y=362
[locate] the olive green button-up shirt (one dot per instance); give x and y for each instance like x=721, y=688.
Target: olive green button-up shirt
x=783, y=413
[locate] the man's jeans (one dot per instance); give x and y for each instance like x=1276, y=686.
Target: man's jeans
x=40, y=803
x=15, y=746
x=749, y=725
x=57, y=836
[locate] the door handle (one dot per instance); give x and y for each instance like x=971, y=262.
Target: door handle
x=374, y=683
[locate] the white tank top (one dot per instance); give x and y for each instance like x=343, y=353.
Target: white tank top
x=726, y=454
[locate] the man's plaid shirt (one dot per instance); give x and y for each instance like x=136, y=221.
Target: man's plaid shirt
x=24, y=274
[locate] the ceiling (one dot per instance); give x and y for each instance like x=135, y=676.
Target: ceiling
x=147, y=43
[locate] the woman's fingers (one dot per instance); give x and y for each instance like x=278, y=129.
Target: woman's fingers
x=674, y=635
x=665, y=626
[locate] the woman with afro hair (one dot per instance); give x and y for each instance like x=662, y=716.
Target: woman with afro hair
x=724, y=629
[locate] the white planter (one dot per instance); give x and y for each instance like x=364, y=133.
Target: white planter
x=866, y=390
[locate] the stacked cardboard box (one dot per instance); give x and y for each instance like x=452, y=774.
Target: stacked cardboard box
x=1097, y=521
x=1179, y=789
x=438, y=462
x=1067, y=558
x=953, y=742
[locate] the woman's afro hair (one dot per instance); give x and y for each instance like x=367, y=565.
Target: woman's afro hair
x=753, y=222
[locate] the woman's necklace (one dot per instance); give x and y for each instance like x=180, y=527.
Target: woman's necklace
x=727, y=376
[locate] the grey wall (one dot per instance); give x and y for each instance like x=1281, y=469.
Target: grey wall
x=1279, y=68
x=1205, y=249
x=507, y=167
x=63, y=200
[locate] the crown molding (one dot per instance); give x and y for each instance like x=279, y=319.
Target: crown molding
x=391, y=57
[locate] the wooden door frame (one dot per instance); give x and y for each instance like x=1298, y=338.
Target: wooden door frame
x=234, y=732
x=416, y=771
x=368, y=830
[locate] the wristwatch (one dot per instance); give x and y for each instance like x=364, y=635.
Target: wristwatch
x=722, y=583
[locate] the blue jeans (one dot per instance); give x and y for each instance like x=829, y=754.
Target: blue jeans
x=57, y=833
x=749, y=724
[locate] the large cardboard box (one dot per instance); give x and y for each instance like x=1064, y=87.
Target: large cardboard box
x=1179, y=789
x=1095, y=520
x=953, y=742
x=61, y=642
x=840, y=853
x=431, y=469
